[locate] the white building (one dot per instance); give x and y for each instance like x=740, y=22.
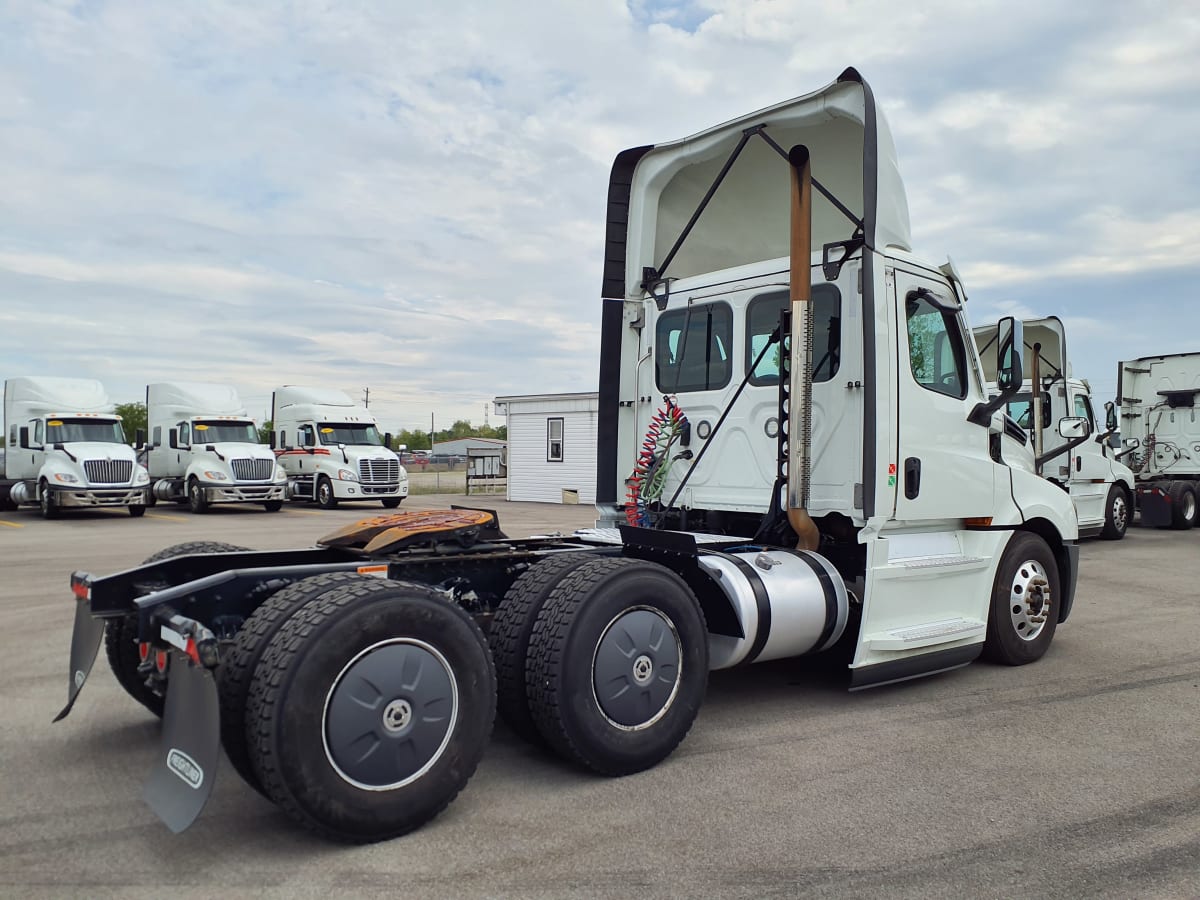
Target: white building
x=551, y=446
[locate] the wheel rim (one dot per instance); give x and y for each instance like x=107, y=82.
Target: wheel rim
x=194, y=495
x=47, y=505
x=389, y=715
x=1189, y=506
x=1029, y=601
x=1120, y=512
x=324, y=492
x=636, y=668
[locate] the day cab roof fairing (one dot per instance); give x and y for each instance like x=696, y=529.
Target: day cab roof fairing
x=1047, y=334
x=656, y=191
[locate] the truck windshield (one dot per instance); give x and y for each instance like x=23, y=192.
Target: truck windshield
x=225, y=432
x=344, y=433
x=65, y=431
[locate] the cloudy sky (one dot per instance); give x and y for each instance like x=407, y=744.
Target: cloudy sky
x=411, y=197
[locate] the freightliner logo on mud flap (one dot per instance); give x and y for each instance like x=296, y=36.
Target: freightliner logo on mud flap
x=185, y=767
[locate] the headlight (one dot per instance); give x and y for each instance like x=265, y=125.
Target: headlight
x=280, y=474
x=66, y=478
x=141, y=477
x=347, y=475
x=216, y=476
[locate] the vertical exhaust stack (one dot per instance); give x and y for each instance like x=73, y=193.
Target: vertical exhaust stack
x=1035, y=400
x=800, y=390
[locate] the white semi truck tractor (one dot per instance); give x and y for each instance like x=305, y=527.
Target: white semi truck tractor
x=332, y=449
x=797, y=453
x=1091, y=471
x=204, y=449
x=1159, y=397
x=66, y=448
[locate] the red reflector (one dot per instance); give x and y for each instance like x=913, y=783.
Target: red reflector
x=160, y=660
x=192, y=652
x=143, y=650
x=80, y=590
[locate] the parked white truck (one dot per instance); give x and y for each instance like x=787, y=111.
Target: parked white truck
x=66, y=448
x=1158, y=397
x=332, y=450
x=783, y=468
x=1090, y=471
x=204, y=448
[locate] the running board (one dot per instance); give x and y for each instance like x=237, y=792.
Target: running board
x=913, y=666
x=926, y=635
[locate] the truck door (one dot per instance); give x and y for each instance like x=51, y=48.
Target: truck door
x=1091, y=472
x=943, y=469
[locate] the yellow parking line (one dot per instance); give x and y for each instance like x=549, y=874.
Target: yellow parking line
x=11, y=524
x=161, y=516
x=306, y=512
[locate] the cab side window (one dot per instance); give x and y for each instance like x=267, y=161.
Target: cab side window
x=39, y=434
x=762, y=316
x=692, y=348
x=1083, y=408
x=936, y=353
x=306, y=436
x=185, y=434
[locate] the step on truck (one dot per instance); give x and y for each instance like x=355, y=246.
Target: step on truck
x=66, y=449
x=1159, y=397
x=205, y=449
x=332, y=449
x=797, y=454
x=1089, y=469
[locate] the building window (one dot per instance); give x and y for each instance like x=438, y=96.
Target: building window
x=554, y=440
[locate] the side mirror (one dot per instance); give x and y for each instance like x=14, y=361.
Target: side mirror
x=1071, y=427
x=271, y=439
x=1132, y=443
x=139, y=438
x=156, y=437
x=1010, y=340
x=1110, y=416
x=283, y=444
x=23, y=437
x=387, y=440
x=173, y=438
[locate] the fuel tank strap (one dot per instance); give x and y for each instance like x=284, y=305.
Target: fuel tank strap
x=830, y=591
x=761, y=600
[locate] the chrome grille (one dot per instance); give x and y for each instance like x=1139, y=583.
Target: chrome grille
x=253, y=469
x=108, y=471
x=379, y=470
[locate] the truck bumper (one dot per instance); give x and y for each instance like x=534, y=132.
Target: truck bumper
x=246, y=493
x=89, y=498
x=350, y=490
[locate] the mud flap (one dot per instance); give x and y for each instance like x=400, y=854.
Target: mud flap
x=186, y=768
x=85, y=644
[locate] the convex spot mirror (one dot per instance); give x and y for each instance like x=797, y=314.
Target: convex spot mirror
x=1071, y=427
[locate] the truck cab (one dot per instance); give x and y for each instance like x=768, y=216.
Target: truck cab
x=1101, y=487
x=67, y=449
x=204, y=449
x=332, y=449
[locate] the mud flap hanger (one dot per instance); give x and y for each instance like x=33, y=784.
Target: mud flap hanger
x=657, y=285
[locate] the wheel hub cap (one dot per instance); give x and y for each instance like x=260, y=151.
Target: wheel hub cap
x=1119, y=512
x=1029, y=600
x=636, y=668
x=390, y=714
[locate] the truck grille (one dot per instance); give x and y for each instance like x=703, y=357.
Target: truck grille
x=379, y=470
x=253, y=469
x=108, y=471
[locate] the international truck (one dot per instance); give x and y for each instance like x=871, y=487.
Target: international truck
x=1157, y=396
x=332, y=449
x=797, y=454
x=1100, y=485
x=204, y=449
x=66, y=449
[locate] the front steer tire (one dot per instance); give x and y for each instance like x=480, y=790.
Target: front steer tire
x=239, y=662
x=380, y=663
x=1025, y=602
x=617, y=665
x=1117, y=512
x=121, y=635
x=326, y=498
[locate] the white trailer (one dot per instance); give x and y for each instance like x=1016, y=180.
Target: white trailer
x=204, y=449
x=332, y=450
x=66, y=448
x=1158, y=400
x=1090, y=471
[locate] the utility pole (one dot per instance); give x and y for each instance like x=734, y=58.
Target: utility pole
x=367, y=397
x=431, y=434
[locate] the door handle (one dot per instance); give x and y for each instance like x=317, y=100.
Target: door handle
x=1079, y=463
x=912, y=477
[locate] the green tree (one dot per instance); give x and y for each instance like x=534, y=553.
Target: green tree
x=264, y=433
x=133, y=418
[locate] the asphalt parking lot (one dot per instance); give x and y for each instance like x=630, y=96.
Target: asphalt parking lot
x=1075, y=776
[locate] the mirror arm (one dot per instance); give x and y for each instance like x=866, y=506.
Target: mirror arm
x=982, y=413
x=1065, y=448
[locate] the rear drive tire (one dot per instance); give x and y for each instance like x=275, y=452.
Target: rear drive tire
x=239, y=661
x=379, y=663
x=1117, y=512
x=48, y=502
x=272, y=505
x=196, y=500
x=617, y=665
x=1183, y=505
x=121, y=635
x=326, y=499
x=510, y=633
x=391, y=502
x=1025, y=602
